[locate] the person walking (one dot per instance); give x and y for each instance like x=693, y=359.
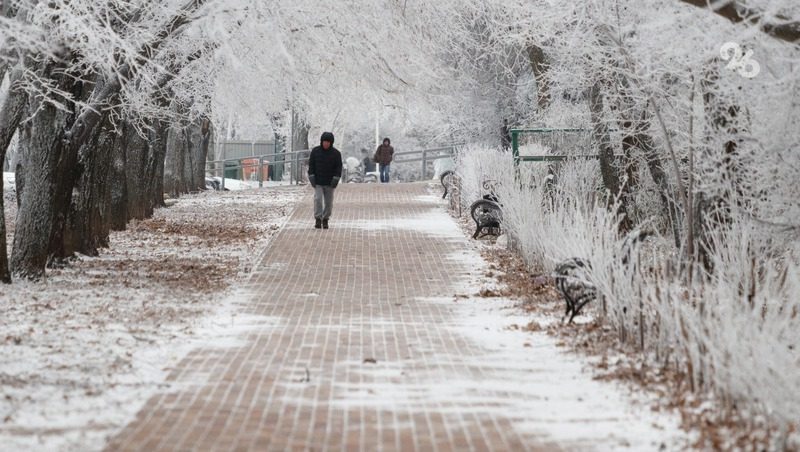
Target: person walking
x=383, y=156
x=324, y=173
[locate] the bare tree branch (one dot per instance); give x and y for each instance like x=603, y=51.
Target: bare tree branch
x=786, y=30
x=90, y=116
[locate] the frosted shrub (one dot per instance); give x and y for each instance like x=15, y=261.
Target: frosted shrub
x=550, y=222
x=740, y=327
x=478, y=165
x=734, y=331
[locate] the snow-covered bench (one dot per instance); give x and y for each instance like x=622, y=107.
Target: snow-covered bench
x=572, y=281
x=487, y=212
x=572, y=275
x=488, y=216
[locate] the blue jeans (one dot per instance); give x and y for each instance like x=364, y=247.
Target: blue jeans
x=384, y=173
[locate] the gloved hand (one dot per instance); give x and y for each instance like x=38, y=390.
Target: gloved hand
x=312, y=180
x=335, y=181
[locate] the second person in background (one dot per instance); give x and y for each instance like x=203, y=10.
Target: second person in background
x=383, y=156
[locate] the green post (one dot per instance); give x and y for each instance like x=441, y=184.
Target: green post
x=515, y=145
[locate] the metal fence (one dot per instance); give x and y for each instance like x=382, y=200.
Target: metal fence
x=260, y=168
x=424, y=157
x=239, y=149
x=244, y=165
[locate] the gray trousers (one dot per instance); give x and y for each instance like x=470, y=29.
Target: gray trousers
x=323, y=201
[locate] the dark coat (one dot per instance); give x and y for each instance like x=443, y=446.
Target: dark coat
x=325, y=165
x=384, y=154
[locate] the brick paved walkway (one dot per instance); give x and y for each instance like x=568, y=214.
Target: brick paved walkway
x=335, y=299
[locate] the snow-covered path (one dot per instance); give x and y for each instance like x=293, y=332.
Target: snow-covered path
x=354, y=340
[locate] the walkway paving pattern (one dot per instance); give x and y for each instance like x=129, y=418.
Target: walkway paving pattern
x=352, y=342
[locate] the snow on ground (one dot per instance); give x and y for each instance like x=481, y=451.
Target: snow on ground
x=431, y=222
x=237, y=184
x=575, y=410
x=81, y=352
x=428, y=223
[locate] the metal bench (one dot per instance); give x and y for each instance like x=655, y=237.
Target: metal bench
x=488, y=216
x=487, y=212
x=571, y=278
x=572, y=275
x=446, y=179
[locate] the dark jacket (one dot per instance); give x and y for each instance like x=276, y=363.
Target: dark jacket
x=325, y=165
x=384, y=154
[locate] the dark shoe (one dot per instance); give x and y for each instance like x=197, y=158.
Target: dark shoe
x=325, y=223
x=317, y=223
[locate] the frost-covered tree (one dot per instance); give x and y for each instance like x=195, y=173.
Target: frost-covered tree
x=76, y=64
x=112, y=101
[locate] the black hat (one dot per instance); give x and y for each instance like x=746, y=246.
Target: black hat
x=326, y=136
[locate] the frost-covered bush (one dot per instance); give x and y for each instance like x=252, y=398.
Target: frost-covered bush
x=734, y=329
x=737, y=326
x=549, y=210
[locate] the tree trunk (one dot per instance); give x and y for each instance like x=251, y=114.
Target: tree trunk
x=630, y=140
x=10, y=116
x=300, y=138
x=630, y=129
x=190, y=154
x=88, y=223
x=712, y=210
x=5, y=271
x=644, y=142
x=300, y=143
x=158, y=146
x=175, y=162
x=118, y=184
x=635, y=136
x=539, y=66
x=602, y=138
x=66, y=175
x=207, y=134
x=11, y=111
x=723, y=122
x=44, y=152
x=608, y=171
x=199, y=142
x=137, y=151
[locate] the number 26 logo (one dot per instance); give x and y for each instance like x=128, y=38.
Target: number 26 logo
x=739, y=61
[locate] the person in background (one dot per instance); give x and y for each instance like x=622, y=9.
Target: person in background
x=383, y=156
x=324, y=173
x=366, y=162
